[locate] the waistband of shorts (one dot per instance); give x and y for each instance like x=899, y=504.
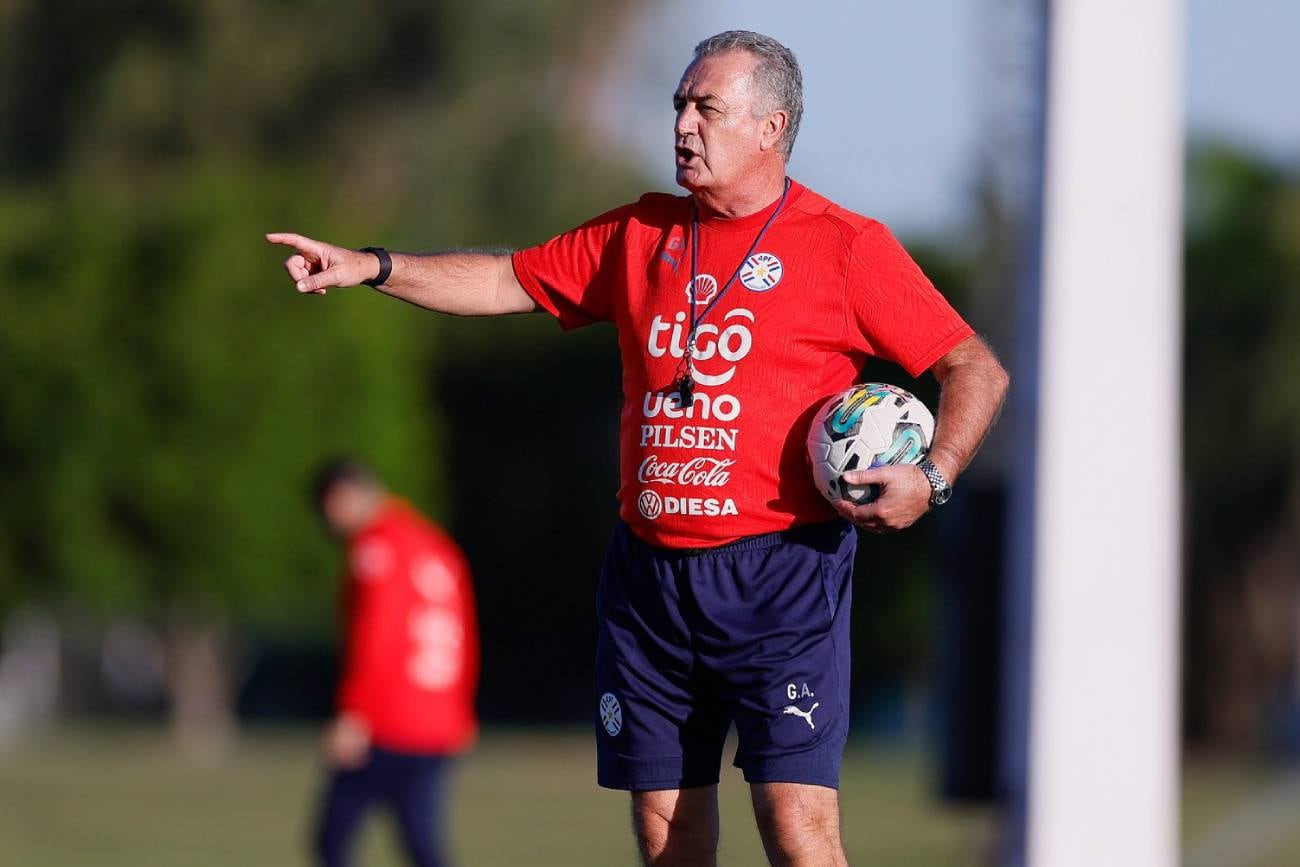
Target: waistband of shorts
x=801, y=533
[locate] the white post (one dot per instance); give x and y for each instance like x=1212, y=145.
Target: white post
x=1103, y=753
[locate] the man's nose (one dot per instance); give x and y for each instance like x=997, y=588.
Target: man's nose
x=685, y=124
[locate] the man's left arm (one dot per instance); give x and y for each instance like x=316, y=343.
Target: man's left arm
x=973, y=385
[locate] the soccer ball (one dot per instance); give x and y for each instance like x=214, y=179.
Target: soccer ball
x=870, y=425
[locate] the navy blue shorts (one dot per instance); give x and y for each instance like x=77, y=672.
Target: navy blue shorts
x=755, y=633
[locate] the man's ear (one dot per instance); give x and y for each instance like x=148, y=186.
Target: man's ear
x=773, y=130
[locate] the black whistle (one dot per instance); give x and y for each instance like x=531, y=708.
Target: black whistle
x=686, y=390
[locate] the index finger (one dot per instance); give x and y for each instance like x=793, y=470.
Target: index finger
x=881, y=475
x=298, y=242
x=864, y=477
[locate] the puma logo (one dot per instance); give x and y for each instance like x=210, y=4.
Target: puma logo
x=807, y=715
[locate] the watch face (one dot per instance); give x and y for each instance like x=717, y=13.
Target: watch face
x=940, y=497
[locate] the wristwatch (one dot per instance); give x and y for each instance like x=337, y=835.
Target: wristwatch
x=385, y=266
x=940, y=490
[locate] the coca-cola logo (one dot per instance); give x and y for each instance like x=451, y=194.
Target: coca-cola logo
x=650, y=505
x=706, y=472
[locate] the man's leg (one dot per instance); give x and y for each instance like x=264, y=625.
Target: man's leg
x=792, y=700
x=348, y=795
x=418, y=801
x=677, y=827
x=659, y=728
x=799, y=824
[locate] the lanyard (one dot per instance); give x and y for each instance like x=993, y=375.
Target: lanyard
x=686, y=381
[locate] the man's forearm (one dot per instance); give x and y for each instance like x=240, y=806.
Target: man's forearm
x=462, y=284
x=974, y=387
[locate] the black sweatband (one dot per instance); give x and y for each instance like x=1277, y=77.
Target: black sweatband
x=385, y=266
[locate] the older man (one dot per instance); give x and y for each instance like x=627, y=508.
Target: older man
x=724, y=597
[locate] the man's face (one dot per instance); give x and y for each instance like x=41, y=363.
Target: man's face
x=345, y=508
x=718, y=137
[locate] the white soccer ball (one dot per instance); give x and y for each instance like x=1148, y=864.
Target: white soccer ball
x=870, y=425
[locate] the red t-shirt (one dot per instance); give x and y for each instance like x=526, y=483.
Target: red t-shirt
x=824, y=289
x=411, y=660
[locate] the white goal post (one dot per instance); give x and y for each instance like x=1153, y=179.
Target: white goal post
x=1103, y=743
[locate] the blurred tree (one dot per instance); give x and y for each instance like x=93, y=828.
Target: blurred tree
x=1242, y=423
x=164, y=392
x=161, y=419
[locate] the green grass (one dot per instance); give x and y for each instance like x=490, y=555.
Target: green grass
x=522, y=798
x=1215, y=790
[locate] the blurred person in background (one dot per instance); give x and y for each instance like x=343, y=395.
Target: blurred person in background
x=725, y=594
x=405, y=702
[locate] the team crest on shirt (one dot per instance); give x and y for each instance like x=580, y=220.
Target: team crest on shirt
x=705, y=289
x=761, y=272
x=611, y=714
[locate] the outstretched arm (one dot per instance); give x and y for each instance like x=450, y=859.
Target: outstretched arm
x=463, y=284
x=973, y=387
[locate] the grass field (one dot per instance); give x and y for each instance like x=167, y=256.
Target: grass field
x=117, y=798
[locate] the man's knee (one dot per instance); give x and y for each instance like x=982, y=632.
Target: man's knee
x=799, y=824
x=677, y=828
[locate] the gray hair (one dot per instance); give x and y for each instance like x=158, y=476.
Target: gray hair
x=776, y=73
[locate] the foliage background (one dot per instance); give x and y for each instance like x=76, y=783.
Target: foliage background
x=164, y=394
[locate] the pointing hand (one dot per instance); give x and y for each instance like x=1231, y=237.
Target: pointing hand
x=315, y=267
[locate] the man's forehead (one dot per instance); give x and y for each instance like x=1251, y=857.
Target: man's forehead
x=717, y=75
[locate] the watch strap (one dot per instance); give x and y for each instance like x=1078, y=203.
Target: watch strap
x=385, y=266
x=940, y=489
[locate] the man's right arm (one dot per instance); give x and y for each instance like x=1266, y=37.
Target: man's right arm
x=462, y=284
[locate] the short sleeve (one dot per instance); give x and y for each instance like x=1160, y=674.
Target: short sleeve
x=893, y=309
x=573, y=276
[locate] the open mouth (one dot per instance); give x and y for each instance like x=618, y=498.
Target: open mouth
x=685, y=155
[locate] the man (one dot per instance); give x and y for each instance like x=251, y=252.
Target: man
x=410, y=667
x=724, y=596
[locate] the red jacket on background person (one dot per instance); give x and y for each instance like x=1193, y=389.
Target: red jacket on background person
x=411, y=656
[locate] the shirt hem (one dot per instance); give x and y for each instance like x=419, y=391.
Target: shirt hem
x=678, y=543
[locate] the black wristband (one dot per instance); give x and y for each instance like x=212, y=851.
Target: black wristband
x=385, y=266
